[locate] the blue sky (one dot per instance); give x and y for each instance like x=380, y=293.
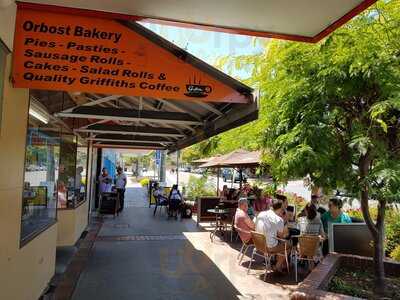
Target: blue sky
x=207, y=45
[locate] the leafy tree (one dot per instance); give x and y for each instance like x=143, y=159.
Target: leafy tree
x=334, y=112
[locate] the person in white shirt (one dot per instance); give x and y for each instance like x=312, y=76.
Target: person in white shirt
x=120, y=184
x=271, y=224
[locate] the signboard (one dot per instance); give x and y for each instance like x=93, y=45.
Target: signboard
x=158, y=157
x=55, y=51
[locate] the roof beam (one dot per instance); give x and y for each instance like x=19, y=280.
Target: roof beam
x=143, y=138
x=128, y=146
x=92, y=102
x=126, y=141
x=236, y=117
x=208, y=107
x=109, y=113
x=178, y=108
x=132, y=130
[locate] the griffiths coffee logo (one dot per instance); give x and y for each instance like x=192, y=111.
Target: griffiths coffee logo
x=197, y=90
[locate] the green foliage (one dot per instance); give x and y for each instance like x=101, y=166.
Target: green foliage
x=392, y=225
x=338, y=285
x=144, y=182
x=392, y=230
x=331, y=110
x=197, y=187
x=395, y=254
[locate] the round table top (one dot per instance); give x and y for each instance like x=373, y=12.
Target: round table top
x=218, y=211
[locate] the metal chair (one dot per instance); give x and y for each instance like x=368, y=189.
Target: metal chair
x=261, y=250
x=245, y=245
x=307, y=250
x=160, y=201
x=228, y=221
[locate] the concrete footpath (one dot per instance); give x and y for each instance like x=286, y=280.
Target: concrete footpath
x=138, y=256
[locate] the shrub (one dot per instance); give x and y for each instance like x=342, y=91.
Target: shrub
x=392, y=230
x=395, y=254
x=144, y=182
x=197, y=187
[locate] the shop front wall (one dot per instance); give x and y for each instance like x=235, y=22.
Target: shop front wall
x=24, y=271
x=71, y=224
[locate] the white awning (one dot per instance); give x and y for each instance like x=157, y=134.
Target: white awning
x=305, y=20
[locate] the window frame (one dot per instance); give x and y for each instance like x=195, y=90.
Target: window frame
x=3, y=77
x=23, y=241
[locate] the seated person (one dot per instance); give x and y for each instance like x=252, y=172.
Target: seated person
x=334, y=215
x=271, y=224
x=224, y=193
x=233, y=194
x=262, y=203
x=315, y=202
x=285, y=204
x=311, y=223
x=243, y=222
x=175, y=201
x=159, y=194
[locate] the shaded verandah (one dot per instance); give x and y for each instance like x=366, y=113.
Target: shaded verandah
x=138, y=255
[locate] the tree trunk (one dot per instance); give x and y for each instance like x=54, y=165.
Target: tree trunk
x=377, y=230
x=379, y=254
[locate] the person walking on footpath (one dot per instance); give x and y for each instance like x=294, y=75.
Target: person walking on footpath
x=120, y=184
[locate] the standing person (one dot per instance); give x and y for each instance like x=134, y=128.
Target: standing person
x=120, y=184
x=105, y=181
x=175, y=201
x=271, y=224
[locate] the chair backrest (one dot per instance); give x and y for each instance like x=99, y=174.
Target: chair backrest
x=240, y=231
x=259, y=241
x=308, y=245
x=309, y=228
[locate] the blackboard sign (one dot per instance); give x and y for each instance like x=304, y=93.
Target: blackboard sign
x=352, y=238
x=108, y=203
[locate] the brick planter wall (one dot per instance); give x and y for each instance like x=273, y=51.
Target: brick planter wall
x=314, y=285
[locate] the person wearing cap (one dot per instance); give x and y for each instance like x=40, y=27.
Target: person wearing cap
x=120, y=184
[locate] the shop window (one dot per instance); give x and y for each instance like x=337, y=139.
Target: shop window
x=3, y=55
x=66, y=178
x=81, y=172
x=39, y=208
x=72, y=176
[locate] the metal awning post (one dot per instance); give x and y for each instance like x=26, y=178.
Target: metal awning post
x=240, y=178
x=177, y=167
x=218, y=181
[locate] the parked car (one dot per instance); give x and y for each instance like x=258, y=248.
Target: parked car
x=237, y=177
x=198, y=171
x=227, y=174
x=184, y=169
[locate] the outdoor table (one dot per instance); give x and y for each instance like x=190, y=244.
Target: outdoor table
x=218, y=224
